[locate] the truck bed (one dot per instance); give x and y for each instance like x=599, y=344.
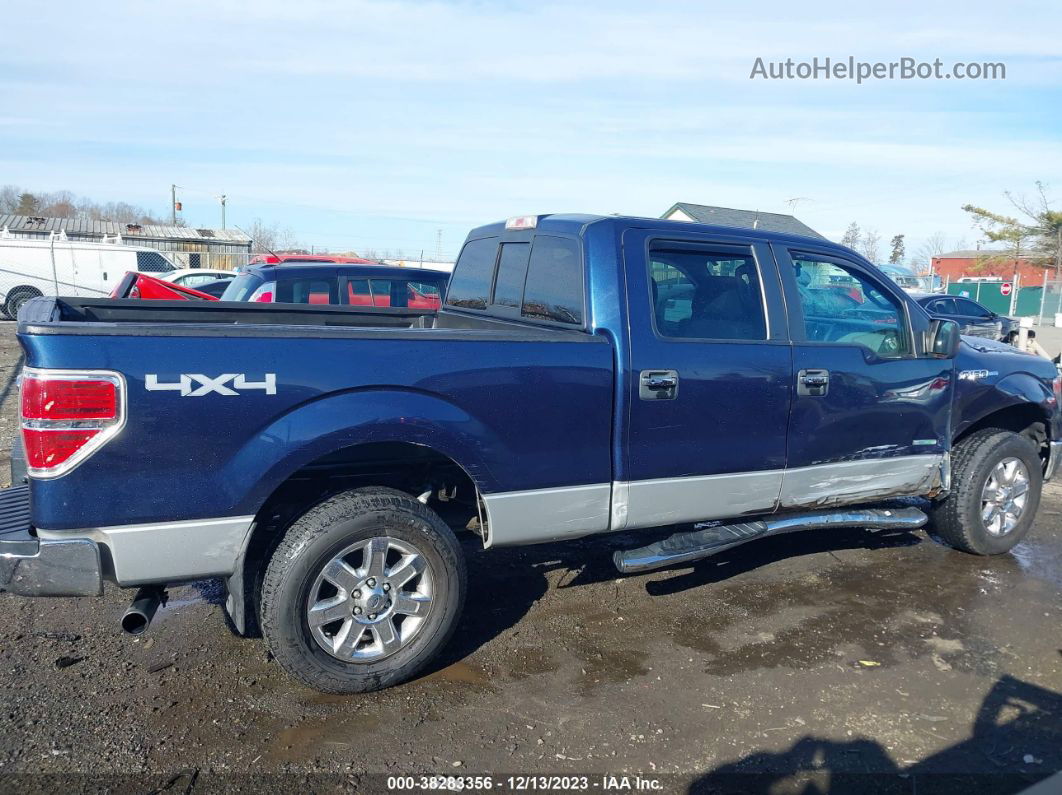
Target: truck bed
x=126, y=310
x=518, y=407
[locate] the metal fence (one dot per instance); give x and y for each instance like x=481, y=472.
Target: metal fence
x=31, y=268
x=1050, y=313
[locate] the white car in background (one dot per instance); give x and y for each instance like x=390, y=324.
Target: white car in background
x=57, y=266
x=193, y=277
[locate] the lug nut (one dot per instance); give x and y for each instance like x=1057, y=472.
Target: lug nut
x=371, y=582
x=387, y=586
x=372, y=616
x=357, y=611
x=357, y=594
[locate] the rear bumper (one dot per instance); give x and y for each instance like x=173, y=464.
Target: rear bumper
x=1054, y=460
x=30, y=566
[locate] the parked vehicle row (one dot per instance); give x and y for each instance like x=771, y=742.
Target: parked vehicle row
x=583, y=375
x=319, y=282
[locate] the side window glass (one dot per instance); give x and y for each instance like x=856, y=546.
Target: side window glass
x=841, y=305
x=705, y=293
x=358, y=292
x=381, y=293
x=512, y=270
x=305, y=291
x=971, y=308
x=554, y=287
x=473, y=274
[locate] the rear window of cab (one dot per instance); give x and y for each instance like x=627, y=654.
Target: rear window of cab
x=537, y=281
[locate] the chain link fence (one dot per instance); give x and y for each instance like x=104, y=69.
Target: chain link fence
x=31, y=268
x=1050, y=313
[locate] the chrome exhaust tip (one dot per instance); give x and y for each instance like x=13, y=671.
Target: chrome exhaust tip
x=137, y=618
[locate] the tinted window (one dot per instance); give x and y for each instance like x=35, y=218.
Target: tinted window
x=153, y=262
x=945, y=306
x=512, y=269
x=470, y=285
x=554, y=286
x=358, y=292
x=842, y=305
x=700, y=293
x=307, y=291
x=971, y=308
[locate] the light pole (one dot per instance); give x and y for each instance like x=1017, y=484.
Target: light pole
x=173, y=204
x=221, y=198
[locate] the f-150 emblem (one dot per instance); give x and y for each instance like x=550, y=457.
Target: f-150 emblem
x=208, y=385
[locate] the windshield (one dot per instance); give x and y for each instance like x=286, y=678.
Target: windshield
x=241, y=287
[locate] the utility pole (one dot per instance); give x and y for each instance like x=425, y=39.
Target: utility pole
x=438, y=245
x=221, y=198
x=173, y=204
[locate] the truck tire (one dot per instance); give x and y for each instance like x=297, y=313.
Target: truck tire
x=996, y=481
x=17, y=297
x=362, y=592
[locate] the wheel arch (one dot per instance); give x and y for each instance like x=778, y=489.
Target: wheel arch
x=418, y=469
x=1019, y=402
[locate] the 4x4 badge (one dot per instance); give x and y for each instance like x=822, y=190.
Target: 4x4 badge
x=211, y=384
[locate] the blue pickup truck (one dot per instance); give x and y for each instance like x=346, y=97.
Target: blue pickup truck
x=584, y=375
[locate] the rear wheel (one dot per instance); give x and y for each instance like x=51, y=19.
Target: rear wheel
x=17, y=297
x=362, y=592
x=996, y=484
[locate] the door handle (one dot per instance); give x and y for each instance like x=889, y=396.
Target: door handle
x=658, y=384
x=813, y=383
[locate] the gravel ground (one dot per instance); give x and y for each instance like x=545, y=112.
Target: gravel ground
x=822, y=661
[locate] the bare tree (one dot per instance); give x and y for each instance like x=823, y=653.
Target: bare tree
x=267, y=237
x=932, y=246
x=65, y=204
x=851, y=236
x=870, y=245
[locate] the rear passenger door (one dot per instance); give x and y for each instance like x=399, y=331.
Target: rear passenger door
x=711, y=379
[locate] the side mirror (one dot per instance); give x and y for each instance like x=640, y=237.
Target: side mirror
x=943, y=339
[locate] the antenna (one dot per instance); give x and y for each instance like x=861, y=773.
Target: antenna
x=795, y=201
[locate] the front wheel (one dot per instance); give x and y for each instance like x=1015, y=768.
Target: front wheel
x=996, y=483
x=363, y=591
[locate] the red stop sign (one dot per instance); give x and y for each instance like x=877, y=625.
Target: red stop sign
x=1004, y=289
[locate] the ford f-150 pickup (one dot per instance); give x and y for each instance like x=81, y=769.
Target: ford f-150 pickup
x=584, y=375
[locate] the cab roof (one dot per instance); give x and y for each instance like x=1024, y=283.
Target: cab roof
x=576, y=223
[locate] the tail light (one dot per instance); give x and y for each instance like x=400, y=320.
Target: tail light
x=264, y=293
x=1057, y=384
x=68, y=415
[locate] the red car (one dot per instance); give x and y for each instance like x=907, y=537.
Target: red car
x=140, y=285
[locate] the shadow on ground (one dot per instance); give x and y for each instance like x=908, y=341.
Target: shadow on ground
x=1016, y=741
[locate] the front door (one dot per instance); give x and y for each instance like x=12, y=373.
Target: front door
x=711, y=380
x=870, y=411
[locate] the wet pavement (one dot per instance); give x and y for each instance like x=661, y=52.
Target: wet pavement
x=823, y=661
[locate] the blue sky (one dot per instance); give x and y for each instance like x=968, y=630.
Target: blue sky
x=373, y=124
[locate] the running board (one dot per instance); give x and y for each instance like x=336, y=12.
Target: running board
x=697, y=544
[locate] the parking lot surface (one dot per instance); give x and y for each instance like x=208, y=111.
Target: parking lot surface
x=883, y=661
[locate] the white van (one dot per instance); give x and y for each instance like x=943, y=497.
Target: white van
x=58, y=266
